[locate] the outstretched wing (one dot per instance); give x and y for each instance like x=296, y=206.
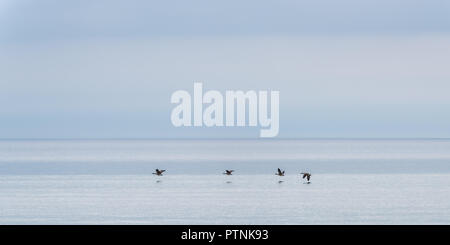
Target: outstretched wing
x=279, y=171
x=162, y=171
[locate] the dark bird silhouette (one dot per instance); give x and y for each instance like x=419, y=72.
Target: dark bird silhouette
x=307, y=176
x=228, y=172
x=280, y=173
x=159, y=172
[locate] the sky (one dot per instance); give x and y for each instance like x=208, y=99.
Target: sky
x=107, y=69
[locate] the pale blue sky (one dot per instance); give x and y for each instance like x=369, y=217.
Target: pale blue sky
x=106, y=69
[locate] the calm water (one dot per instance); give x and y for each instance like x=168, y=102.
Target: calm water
x=110, y=182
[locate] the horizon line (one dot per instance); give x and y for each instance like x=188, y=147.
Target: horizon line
x=204, y=138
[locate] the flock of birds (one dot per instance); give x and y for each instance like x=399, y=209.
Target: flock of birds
x=305, y=175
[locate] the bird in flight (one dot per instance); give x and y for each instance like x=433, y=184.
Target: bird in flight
x=306, y=175
x=159, y=172
x=228, y=172
x=280, y=173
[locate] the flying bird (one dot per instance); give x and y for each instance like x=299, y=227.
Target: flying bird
x=228, y=172
x=307, y=176
x=159, y=172
x=280, y=173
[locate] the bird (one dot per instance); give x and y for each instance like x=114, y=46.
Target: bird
x=307, y=176
x=159, y=172
x=228, y=172
x=280, y=173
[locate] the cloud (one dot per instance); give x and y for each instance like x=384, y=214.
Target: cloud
x=56, y=20
x=343, y=86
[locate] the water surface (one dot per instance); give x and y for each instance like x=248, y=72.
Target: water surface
x=110, y=182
